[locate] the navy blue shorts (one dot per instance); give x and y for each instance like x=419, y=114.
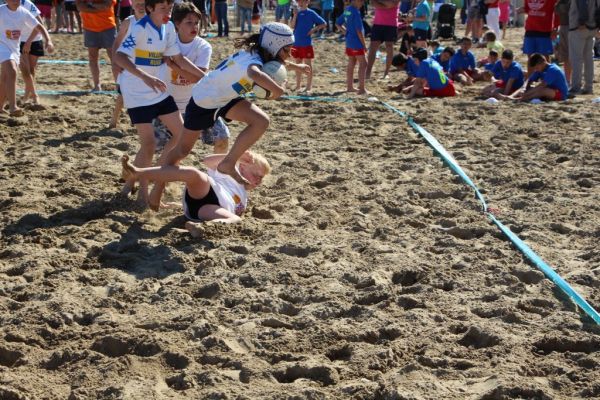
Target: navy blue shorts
x=384, y=33
x=535, y=44
x=197, y=118
x=145, y=114
x=421, y=34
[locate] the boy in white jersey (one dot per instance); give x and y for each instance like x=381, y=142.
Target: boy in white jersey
x=186, y=18
x=14, y=22
x=219, y=94
x=139, y=11
x=210, y=196
x=143, y=85
x=28, y=62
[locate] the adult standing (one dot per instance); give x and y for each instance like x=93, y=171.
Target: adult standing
x=384, y=30
x=493, y=16
x=283, y=11
x=222, y=21
x=421, y=23
x=562, y=49
x=582, y=30
x=99, y=32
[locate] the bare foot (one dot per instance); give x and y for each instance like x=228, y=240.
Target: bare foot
x=230, y=170
x=112, y=124
x=129, y=171
x=17, y=112
x=194, y=228
x=155, y=196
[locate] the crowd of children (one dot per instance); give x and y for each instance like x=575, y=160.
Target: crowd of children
x=164, y=80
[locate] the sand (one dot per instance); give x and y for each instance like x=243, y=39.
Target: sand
x=363, y=269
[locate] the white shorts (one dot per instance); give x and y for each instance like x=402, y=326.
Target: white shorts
x=8, y=54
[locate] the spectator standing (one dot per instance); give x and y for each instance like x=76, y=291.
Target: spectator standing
x=246, y=7
x=222, y=21
x=582, y=30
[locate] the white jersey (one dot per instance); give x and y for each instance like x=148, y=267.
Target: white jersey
x=12, y=25
x=29, y=6
x=227, y=81
x=198, y=51
x=146, y=45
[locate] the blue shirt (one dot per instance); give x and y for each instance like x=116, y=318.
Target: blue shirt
x=460, y=61
x=444, y=64
x=306, y=20
x=411, y=67
x=353, y=22
x=554, y=78
x=432, y=71
x=326, y=5
x=490, y=67
x=514, y=71
x=423, y=10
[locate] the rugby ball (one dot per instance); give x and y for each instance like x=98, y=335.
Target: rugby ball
x=277, y=72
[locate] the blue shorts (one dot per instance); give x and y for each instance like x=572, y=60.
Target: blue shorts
x=534, y=44
x=283, y=12
x=145, y=114
x=219, y=131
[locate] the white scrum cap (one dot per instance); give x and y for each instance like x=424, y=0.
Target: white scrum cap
x=274, y=36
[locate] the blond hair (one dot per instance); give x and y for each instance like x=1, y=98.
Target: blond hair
x=260, y=161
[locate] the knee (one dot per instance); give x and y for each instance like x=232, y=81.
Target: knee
x=262, y=122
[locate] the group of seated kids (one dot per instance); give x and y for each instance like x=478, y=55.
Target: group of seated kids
x=433, y=73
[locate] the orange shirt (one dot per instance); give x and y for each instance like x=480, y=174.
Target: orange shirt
x=99, y=21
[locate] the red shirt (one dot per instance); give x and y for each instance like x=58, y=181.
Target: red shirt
x=540, y=15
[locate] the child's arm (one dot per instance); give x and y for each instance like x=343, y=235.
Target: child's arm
x=124, y=62
x=42, y=29
x=123, y=28
x=316, y=28
x=361, y=37
x=299, y=68
x=185, y=68
x=265, y=81
x=342, y=28
x=212, y=161
x=508, y=86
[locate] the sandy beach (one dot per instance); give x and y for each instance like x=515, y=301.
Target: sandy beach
x=363, y=269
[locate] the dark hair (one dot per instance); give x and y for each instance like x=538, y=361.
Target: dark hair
x=420, y=54
x=465, y=39
x=493, y=53
x=399, y=60
x=489, y=36
x=181, y=10
x=535, y=60
x=434, y=43
x=252, y=43
x=508, y=55
x=449, y=50
x=153, y=3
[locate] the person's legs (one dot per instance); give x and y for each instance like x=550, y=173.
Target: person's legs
x=298, y=75
x=27, y=75
x=256, y=122
x=350, y=74
x=174, y=123
x=143, y=158
x=389, y=48
x=493, y=20
x=576, y=48
x=309, y=76
x=539, y=92
x=588, y=61
x=114, y=121
x=220, y=17
x=225, y=19
x=93, y=53
x=362, y=71
x=373, y=48
x=326, y=14
x=8, y=87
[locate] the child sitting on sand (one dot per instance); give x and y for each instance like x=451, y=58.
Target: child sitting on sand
x=462, y=64
x=553, y=87
x=431, y=81
x=351, y=23
x=444, y=58
x=507, y=76
x=406, y=63
x=209, y=196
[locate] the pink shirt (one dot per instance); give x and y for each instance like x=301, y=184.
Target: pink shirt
x=386, y=16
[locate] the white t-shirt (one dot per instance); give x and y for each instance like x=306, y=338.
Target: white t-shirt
x=232, y=196
x=146, y=45
x=198, y=51
x=29, y=6
x=12, y=26
x=226, y=82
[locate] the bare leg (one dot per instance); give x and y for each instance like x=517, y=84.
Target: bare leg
x=256, y=122
x=221, y=146
x=309, y=77
x=298, y=75
x=362, y=69
x=540, y=92
x=174, y=123
x=143, y=158
x=8, y=88
x=114, y=121
x=93, y=54
x=389, y=48
x=25, y=68
x=350, y=74
x=373, y=47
